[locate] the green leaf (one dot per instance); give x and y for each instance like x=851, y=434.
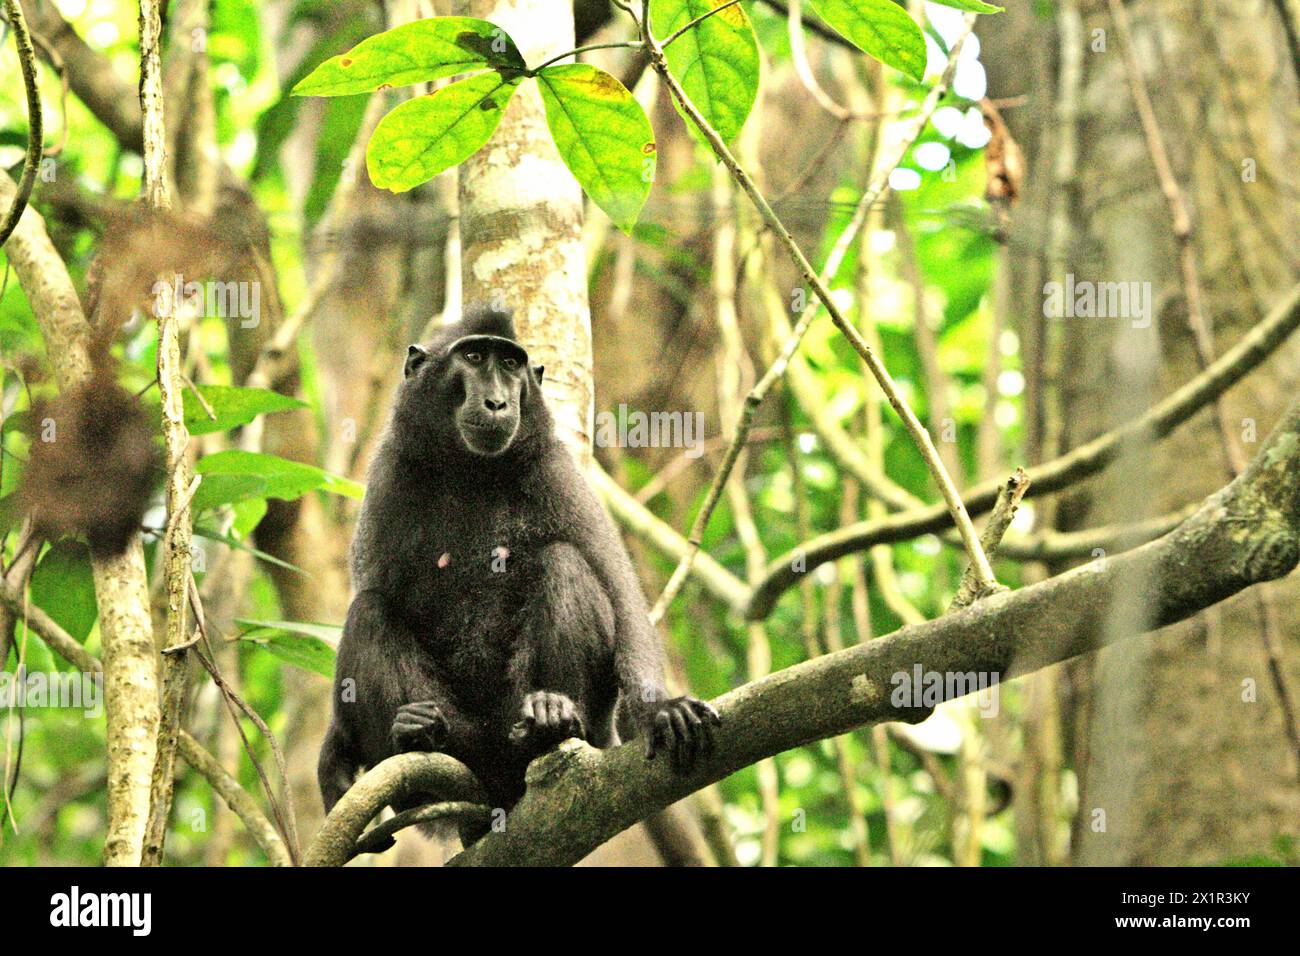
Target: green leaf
x=230, y=541
x=19, y=422
x=248, y=515
x=880, y=28
x=312, y=647
x=328, y=633
x=228, y=490
x=603, y=136
x=414, y=53
x=232, y=476
x=970, y=6
x=233, y=407
x=716, y=61
x=63, y=587
x=428, y=134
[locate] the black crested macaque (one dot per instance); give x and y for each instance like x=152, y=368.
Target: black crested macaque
x=496, y=612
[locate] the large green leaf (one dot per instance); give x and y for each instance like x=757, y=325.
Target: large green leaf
x=428, y=134
x=716, y=61
x=414, y=53
x=970, y=6
x=231, y=476
x=63, y=587
x=603, y=136
x=880, y=28
x=232, y=407
x=312, y=647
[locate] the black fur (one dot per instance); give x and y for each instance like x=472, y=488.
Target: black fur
x=496, y=611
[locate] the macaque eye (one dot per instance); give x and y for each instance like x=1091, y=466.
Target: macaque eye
x=474, y=358
x=510, y=363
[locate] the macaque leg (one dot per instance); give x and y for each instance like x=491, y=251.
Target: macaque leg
x=564, y=655
x=385, y=703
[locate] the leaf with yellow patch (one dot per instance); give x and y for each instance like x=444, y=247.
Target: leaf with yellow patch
x=603, y=136
x=716, y=61
x=414, y=53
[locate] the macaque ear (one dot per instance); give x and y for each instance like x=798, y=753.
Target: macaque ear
x=415, y=357
x=538, y=370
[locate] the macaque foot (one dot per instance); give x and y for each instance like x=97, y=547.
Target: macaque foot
x=419, y=726
x=683, y=728
x=546, y=718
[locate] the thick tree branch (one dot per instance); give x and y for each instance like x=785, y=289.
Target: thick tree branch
x=400, y=779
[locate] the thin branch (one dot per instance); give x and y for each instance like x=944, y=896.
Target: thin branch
x=620, y=45
x=642, y=522
x=819, y=285
x=177, y=536
x=380, y=837
x=236, y=798
x=815, y=27
x=678, y=466
x=1004, y=510
x=281, y=808
x=696, y=22
x=1069, y=545
x=398, y=780
x=803, y=69
x=35, y=121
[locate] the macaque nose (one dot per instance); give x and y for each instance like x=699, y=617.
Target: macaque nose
x=493, y=405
